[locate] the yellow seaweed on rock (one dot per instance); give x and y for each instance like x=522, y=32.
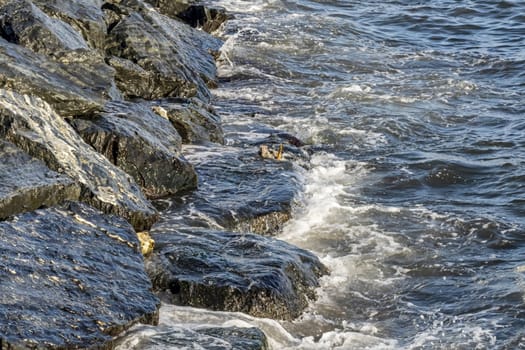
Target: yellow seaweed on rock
x=146, y=243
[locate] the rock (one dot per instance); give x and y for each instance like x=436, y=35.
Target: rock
x=209, y=18
x=191, y=337
x=23, y=23
x=219, y=270
x=78, y=85
x=27, y=184
x=193, y=120
x=85, y=16
x=71, y=278
x=175, y=56
x=34, y=127
x=141, y=143
x=237, y=191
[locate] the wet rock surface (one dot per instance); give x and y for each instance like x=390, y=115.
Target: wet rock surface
x=34, y=127
x=237, y=190
x=194, y=120
x=203, y=337
x=78, y=85
x=27, y=184
x=23, y=23
x=71, y=278
x=174, y=57
x=143, y=144
x=220, y=270
x=85, y=16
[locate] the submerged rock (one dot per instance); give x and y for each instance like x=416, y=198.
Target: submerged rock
x=71, y=278
x=85, y=16
x=33, y=126
x=191, y=337
x=141, y=143
x=171, y=57
x=219, y=270
x=195, y=122
x=77, y=85
x=237, y=191
x=27, y=184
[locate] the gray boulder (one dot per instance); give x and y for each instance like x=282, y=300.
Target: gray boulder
x=27, y=184
x=219, y=270
x=141, y=143
x=195, y=121
x=85, y=16
x=23, y=23
x=34, y=127
x=175, y=56
x=77, y=85
x=191, y=337
x=72, y=278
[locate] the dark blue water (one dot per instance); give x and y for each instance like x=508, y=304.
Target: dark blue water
x=416, y=195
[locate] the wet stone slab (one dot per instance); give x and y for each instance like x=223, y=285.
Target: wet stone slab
x=192, y=337
x=33, y=126
x=227, y=271
x=27, y=184
x=71, y=278
x=143, y=144
x=238, y=190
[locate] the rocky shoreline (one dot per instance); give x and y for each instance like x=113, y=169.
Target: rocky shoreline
x=107, y=131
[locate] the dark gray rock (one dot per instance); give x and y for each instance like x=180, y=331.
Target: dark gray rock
x=219, y=270
x=85, y=16
x=237, y=190
x=34, y=127
x=23, y=23
x=141, y=143
x=207, y=17
x=77, y=85
x=176, y=56
x=195, y=121
x=71, y=278
x=27, y=184
x=191, y=337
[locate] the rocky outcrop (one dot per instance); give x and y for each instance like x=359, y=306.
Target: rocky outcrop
x=141, y=143
x=188, y=337
x=195, y=122
x=33, y=126
x=208, y=18
x=172, y=58
x=27, y=184
x=77, y=85
x=85, y=16
x=71, y=278
x=219, y=270
x=23, y=23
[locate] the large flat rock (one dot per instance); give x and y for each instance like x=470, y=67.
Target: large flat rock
x=27, y=184
x=172, y=58
x=220, y=270
x=71, y=278
x=34, y=127
x=79, y=84
x=194, y=337
x=238, y=190
x=143, y=144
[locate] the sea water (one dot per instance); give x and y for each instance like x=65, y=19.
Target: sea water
x=415, y=197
